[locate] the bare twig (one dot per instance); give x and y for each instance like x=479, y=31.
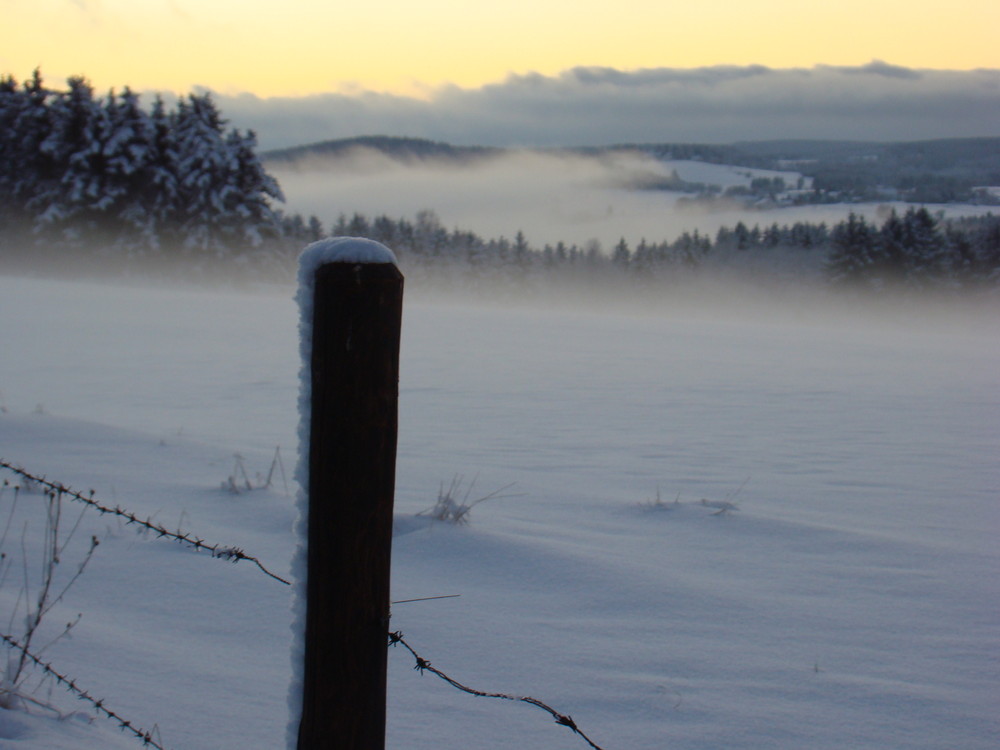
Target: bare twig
x=276, y=463
x=40, y=596
x=449, y=508
x=722, y=507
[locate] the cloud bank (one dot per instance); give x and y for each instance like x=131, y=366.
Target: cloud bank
x=600, y=106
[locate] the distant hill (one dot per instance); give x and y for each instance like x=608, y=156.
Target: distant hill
x=400, y=149
x=975, y=159
x=937, y=171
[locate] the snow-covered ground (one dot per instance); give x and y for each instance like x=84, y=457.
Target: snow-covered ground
x=727, y=175
x=849, y=601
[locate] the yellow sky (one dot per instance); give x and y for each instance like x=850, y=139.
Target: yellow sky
x=293, y=47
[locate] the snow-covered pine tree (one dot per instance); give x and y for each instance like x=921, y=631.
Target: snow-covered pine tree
x=853, y=259
x=986, y=246
x=224, y=194
x=68, y=199
x=11, y=102
x=24, y=125
x=127, y=148
x=891, y=251
x=249, y=216
x=201, y=167
x=962, y=261
x=924, y=248
x=159, y=192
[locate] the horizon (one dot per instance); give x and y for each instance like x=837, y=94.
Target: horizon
x=370, y=140
x=602, y=106
x=538, y=74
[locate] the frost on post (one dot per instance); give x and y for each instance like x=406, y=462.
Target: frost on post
x=350, y=301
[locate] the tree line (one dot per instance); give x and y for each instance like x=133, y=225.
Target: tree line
x=915, y=250
x=80, y=171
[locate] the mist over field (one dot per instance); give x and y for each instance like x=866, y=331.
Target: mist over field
x=550, y=196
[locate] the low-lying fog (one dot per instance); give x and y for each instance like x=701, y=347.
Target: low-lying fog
x=550, y=197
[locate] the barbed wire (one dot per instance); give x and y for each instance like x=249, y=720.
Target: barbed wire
x=422, y=665
x=234, y=554
x=124, y=724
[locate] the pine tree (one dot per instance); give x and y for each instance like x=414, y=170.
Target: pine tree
x=642, y=259
x=159, y=184
x=384, y=230
x=315, y=231
x=202, y=163
x=853, y=259
x=358, y=226
x=772, y=235
x=963, y=267
x=743, y=236
x=987, y=249
x=924, y=248
x=522, y=257
x=724, y=238
x=11, y=103
x=429, y=236
x=248, y=216
x=622, y=255
x=128, y=150
x=891, y=264
x=67, y=203
x=26, y=124
x=562, y=254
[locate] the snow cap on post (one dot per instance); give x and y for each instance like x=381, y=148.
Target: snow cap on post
x=344, y=250
x=330, y=250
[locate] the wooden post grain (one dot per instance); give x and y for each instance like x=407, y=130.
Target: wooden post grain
x=352, y=456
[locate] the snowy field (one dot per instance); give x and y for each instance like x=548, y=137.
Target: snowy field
x=849, y=600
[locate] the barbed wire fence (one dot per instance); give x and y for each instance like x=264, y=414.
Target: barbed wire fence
x=234, y=554
x=422, y=665
x=218, y=551
x=145, y=736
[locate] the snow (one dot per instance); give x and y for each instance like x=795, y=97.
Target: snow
x=724, y=175
x=342, y=250
x=847, y=600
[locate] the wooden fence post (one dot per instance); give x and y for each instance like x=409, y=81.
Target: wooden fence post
x=357, y=311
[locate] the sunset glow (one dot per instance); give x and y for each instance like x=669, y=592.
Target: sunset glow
x=308, y=46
